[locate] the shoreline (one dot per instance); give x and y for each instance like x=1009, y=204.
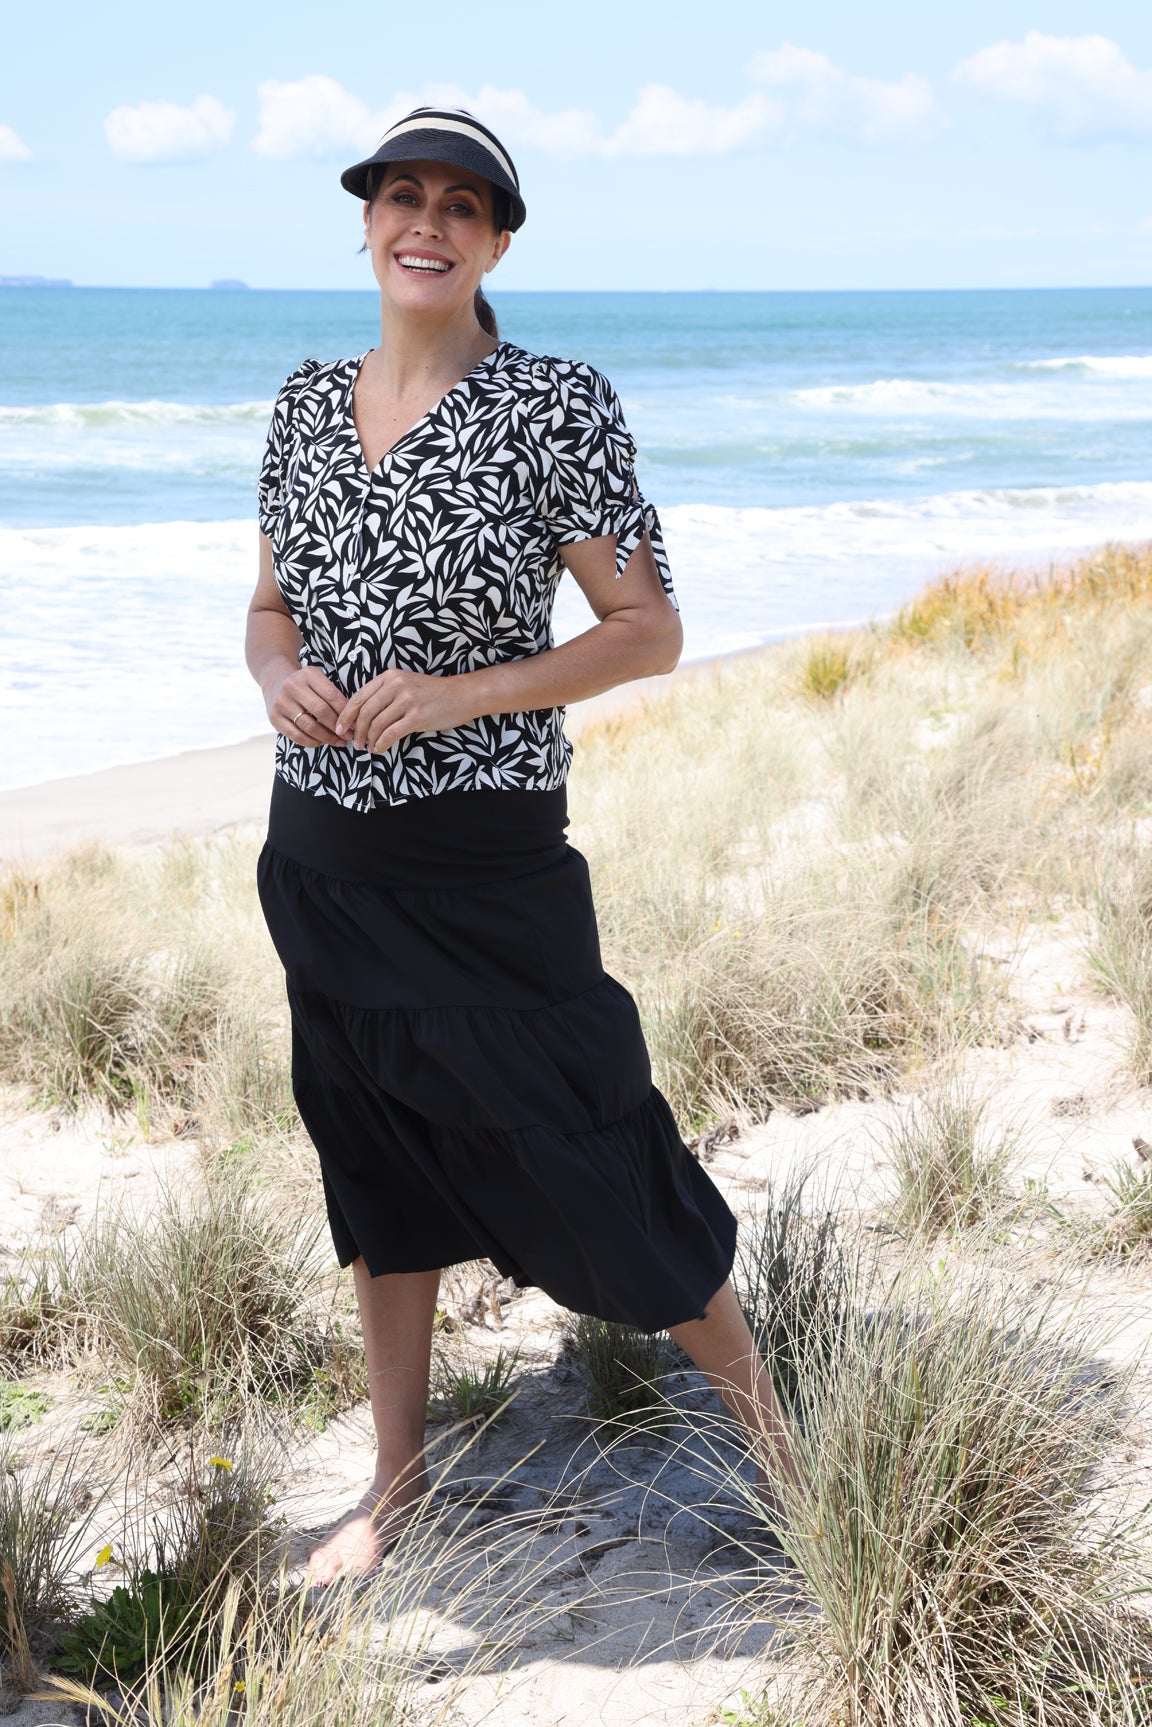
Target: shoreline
x=204, y=791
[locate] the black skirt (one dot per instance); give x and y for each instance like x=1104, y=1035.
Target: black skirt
x=475, y=1084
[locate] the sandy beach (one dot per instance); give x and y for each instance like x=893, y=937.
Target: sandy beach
x=836, y=786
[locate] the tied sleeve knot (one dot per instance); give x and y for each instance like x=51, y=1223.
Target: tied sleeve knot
x=590, y=477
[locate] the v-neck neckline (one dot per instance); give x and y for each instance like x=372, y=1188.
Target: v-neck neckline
x=428, y=415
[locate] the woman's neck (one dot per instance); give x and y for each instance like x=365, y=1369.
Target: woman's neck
x=416, y=352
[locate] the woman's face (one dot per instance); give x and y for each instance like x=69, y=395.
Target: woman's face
x=429, y=230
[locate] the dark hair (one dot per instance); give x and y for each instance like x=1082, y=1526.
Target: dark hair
x=501, y=219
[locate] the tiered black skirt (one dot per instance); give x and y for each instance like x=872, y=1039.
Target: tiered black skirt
x=474, y=1082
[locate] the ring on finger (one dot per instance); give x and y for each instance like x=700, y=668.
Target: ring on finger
x=296, y=717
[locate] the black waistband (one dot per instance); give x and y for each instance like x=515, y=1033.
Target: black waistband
x=426, y=842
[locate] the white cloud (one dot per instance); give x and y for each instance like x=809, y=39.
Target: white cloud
x=1082, y=87
x=12, y=146
x=664, y=123
x=165, y=132
x=815, y=95
x=315, y=116
x=798, y=92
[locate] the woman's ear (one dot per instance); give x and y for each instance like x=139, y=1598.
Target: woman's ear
x=503, y=241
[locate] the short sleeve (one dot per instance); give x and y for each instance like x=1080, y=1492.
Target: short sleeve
x=590, y=487
x=271, y=486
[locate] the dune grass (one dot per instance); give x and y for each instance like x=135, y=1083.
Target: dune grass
x=216, y=1295
x=811, y=867
x=949, y=1159
x=42, y=1539
x=955, y=1529
x=793, y=1275
x=623, y=1371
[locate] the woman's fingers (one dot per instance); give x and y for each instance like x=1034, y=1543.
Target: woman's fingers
x=365, y=709
x=304, y=712
x=314, y=731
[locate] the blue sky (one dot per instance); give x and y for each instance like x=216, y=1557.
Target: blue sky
x=803, y=144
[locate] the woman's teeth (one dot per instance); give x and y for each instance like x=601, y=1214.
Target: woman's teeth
x=437, y=266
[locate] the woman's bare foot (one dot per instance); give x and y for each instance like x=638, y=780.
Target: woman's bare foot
x=364, y=1535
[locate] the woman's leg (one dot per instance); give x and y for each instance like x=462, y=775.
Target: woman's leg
x=723, y=1348
x=396, y=1315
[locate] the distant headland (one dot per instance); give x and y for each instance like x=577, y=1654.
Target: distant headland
x=34, y=282
x=228, y=282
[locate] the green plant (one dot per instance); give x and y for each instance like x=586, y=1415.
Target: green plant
x=623, y=1372
x=472, y=1390
x=1129, y=1222
x=215, y=1539
x=151, y=1618
x=20, y=1406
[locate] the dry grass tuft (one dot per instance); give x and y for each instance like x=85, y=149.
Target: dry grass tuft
x=214, y=1298
x=1120, y=952
x=981, y=607
x=623, y=1371
x=829, y=665
x=956, y=1533
x=949, y=1161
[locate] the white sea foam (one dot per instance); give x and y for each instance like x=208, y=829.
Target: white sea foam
x=89, y=414
x=1103, y=365
x=902, y=393
x=125, y=642
x=1033, y=392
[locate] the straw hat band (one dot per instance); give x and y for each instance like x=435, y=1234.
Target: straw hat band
x=443, y=123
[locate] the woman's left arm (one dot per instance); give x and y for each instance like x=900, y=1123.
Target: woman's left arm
x=638, y=634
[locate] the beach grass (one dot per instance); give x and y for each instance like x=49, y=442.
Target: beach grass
x=815, y=868
x=214, y=1296
x=950, y=1158
x=959, y=1544
x=623, y=1370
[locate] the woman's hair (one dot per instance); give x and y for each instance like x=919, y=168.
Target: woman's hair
x=501, y=219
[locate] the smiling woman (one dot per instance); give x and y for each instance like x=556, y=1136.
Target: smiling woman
x=474, y=1082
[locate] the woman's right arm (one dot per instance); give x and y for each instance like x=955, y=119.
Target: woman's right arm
x=301, y=702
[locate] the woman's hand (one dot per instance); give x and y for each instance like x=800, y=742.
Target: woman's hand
x=303, y=705
x=398, y=703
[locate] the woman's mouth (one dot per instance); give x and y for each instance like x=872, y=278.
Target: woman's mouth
x=418, y=265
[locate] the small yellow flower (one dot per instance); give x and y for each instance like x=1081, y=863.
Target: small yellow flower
x=239, y=1685
x=103, y=1557
x=221, y=1462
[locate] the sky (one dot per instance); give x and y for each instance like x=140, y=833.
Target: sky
x=788, y=144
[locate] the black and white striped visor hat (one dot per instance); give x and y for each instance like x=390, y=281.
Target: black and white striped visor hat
x=443, y=135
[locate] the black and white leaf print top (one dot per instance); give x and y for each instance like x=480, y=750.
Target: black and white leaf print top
x=444, y=558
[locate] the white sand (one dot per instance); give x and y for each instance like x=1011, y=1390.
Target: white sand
x=632, y=1634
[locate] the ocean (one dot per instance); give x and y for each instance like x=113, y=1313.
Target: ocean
x=815, y=458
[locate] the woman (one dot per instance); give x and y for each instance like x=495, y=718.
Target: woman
x=474, y=1083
